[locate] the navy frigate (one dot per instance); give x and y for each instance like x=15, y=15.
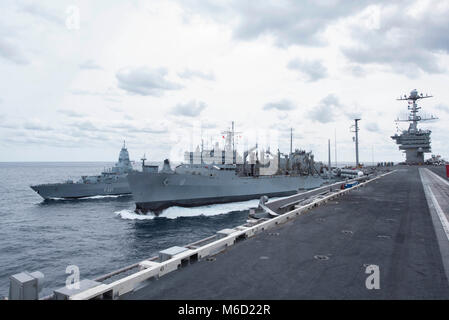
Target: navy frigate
x=220, y=176
x=415, y=142
x=110, y=182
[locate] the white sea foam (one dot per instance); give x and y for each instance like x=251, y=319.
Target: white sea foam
x=209, y=210
x=87, y=198
x=131, y=215
x=177, y=212
x=104, y=197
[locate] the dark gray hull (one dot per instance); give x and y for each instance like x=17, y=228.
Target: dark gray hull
x=154, y=192
x=81, y=190
x=156, y=206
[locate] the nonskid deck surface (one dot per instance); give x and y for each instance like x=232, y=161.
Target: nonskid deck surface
x=439, y=170
x=387, y=223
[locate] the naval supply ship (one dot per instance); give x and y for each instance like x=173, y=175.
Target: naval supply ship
x=110, y=182
x=415, y=142
x=220, y=176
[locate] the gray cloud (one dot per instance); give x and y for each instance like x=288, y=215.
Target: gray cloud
x=356, y=70
x=37, y=125
x=192, y=108
x=406, y=44
x=130, y=127
x=326, y=110
x=313, y=69
x=86, y=126
x=442, y=107
x=283, y=105
x=4, y=123
x=110, y=92
x=67, y=139
x=71, y=113
x=42, y=12
x=353, y=114
x=145, y=81
x=115, y=109
x=112, y=99
x=84, y=93
x=90, y=65
x=290, y=22
x=209, y=124
x=372, y=127
x=190, y=74
x=12, y=53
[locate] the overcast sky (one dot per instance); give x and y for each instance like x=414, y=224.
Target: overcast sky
x=79, y=77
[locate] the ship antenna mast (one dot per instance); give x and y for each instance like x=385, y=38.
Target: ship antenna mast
x=414, y=142
x=291, y=140
x=143, y=160
x=202, y=150
x=414, y=109
x=230, y=141
x=356, y=130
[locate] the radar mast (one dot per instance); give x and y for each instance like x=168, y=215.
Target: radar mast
x=415, y=142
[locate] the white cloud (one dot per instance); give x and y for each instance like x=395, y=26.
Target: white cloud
x=234, y=55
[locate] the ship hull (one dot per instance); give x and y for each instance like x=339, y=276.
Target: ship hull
x=156, y=191
x=81, y=190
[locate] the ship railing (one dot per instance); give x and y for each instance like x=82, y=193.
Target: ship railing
x=155, y=267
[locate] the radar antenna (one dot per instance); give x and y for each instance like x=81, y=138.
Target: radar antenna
x=413, y=117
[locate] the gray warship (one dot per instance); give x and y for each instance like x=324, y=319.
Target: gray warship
x=415, y=142
x=220, y=176
x=110, y=182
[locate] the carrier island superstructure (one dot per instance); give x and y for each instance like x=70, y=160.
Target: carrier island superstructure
x=222, y=175
x=110, y=182
x=415, y=142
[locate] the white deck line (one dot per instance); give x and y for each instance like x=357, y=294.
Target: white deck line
x=439, y=219
x=437, y=176
x=428, y=191
x=440, y=212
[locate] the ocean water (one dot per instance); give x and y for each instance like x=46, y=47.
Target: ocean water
x=98, y=234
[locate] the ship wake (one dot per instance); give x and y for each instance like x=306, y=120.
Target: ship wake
x=183, y=212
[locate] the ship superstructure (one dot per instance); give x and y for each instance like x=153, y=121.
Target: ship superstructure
x=415, y=142
x=111, y=181
x=218, y=176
